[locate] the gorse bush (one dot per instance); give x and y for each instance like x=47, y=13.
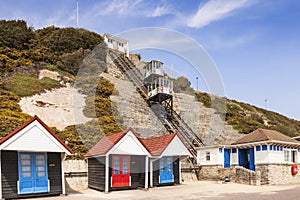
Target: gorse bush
x=20, y=45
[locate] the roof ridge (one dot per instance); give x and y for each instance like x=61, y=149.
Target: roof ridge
x=262, y=131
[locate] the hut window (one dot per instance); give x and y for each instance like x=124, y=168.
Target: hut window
x=125, y=166
x=233, y=150
x=220, y=150
x=162, y=165
x=257, y=148
x=26, y=165
x=271, y=147
x=40, y=165
x=264, y=147
x=207, y=156
x=286, y=155
x=169, y=164
x=116, y=165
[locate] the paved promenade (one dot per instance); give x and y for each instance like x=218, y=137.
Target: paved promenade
x=203, y=190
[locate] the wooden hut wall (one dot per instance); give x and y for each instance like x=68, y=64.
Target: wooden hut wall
x=54, y=173
x=9, y=168
x=176, y=169
x=96, y=173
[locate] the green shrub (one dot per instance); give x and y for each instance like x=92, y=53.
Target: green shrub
x=28, y=85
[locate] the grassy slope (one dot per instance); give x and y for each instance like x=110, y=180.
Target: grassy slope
x=246, y=118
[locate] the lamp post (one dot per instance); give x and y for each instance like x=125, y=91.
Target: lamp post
x=197, y=82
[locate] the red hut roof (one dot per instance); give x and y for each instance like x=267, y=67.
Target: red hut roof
x=157, y=145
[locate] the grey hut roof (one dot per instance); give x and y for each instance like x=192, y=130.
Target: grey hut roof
x=265, y=135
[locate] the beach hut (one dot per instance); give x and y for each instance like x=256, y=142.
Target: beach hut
x=32, y=162
x=166, y=153
x=118, y=161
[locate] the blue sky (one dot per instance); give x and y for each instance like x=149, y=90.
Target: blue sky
x=255, y=44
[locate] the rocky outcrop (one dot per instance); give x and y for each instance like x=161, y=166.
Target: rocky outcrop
x=64, y=80
x=204, y=121
x=133, y=110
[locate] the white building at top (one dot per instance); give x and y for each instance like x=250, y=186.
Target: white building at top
x=116, y=43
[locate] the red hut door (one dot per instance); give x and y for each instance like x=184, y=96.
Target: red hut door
x=120, y=171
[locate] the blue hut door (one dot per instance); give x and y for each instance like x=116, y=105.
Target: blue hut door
x=226, y=158
x=166, y=170
x=33, y=173
x=251, y=159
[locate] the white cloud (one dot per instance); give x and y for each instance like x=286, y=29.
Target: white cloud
x=160, y=11
x=215, y=10
x=119, y=7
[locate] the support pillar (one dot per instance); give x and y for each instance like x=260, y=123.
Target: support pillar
x=146, y=171
x=106, y=173
x=63, y=181
x=151, y=173
x=179, y=167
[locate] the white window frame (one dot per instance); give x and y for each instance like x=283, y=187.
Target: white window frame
x=207, y=156
x=286, y=154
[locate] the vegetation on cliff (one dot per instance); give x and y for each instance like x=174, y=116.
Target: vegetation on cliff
x=24, y=51
x=246, y=118
x=21, y=46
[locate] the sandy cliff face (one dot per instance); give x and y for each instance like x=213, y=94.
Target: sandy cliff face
x=134, y=111
x=62, y=107
x=56, y=108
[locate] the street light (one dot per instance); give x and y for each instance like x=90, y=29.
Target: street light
x=197, y=82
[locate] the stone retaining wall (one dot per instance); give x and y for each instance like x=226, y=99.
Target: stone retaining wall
x=76, y=175
x=277, y=174
x=216, y=172
x=264, y=174
x=246, y=176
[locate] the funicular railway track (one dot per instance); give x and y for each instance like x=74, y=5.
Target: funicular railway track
x=174, y=123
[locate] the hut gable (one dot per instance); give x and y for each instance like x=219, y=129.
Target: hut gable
x=157, y=145
x=31, y=133
x=166, y=145
x=123, y=143
x=260, y=135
